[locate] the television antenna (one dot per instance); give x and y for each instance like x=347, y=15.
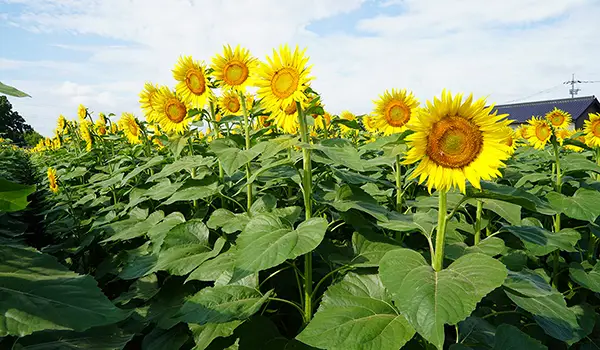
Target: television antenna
x=574, y=90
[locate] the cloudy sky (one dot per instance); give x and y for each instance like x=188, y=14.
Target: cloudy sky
x=100, y=52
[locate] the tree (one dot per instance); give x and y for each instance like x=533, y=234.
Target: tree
x=12, y=125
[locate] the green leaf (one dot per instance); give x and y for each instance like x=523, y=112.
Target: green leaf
x=11, y=91
x=142, y=289
x=222, y=304
x=268, y=241
x=576, y=162
x=137, y=230
x=212, y=269
x=165, y=339
x=430, y=299
x=98, y=338
x=535, y=177
x=138, y=169
x=491, y=246
x=233, y=158
x=513, y=195
x=533, y=237
x=205, y=334
x=369, y=248
x=37, y=293
x=508, y=211
x=509, y=337
x=158, y=233
x=589, y=280
x=351, y=197
x=194, y=193
x=357, y=314
x=13, y=196
x=527, y=283
x=228, y=222
x=187, y=163
x=341, y=152
x=582, y=206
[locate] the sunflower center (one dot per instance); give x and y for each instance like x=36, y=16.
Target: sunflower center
x=194, y=80
x=396, y=114
x=557, y=119
x=175, y=110
x=232, y=104
x=454, y=142
x=596, y=128
x=290, y=109
x=235, y=73
x=542, y=132
x=284, y=83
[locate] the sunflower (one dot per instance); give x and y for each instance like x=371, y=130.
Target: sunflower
x=230, y=103
x=62, y=123
x=100, y=124
x=56, y=143
x=284, y=79
x=264, y=121
x=131, y=128
x=193, y=82
x=369, y=124
x=286, y=119
x=86, y=135
x=171, y=111
x=456, y=141
x=235, y=68
x=393, y=111
x=580, y=138
x=114, y=128
x=347, y=115
x=562, y=135
x=558, y=118
x=591, y=130
x=82, y=112
x=539, y=132
x=510, y=139
x=146, y=99
x=523, y=131
x=53, y=180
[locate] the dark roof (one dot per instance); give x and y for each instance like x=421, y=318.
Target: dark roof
x=521, y=112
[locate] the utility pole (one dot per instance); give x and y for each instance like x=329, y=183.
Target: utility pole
x=574, y=90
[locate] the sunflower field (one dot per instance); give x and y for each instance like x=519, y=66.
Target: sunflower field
x=235, y=212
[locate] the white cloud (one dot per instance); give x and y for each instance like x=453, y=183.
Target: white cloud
x=502, y=49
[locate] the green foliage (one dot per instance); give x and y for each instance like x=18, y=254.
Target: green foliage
x=156, y=248
x=13, y=126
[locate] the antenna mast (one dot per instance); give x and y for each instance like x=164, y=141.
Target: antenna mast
x=574, y=90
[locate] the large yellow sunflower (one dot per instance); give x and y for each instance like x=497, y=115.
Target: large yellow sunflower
x=539, y=132
x=62, y=123
x=193, y=82
x=286, y=119
x=146, y=99
x=591, y=130
x=53, y=180
x=558, y=118
x=230, y=103
x=235, y=68
x=393, y=110
x=455, y=141
x=369, y=123
x=101, y=124
x=171, y=111
x=81, y=112
x=86, y=134
x=284, y=79
x=130, y=128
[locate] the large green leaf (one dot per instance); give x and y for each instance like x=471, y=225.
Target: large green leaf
x=37, y=293
x=351, y=197
x=187, y=163
x=233, y=158
x=430, y=299
x=533, y=237
x=588, y=279
x=369, y=248
x=583, y=205
x=509, y=337
x=98, y=338
x=513, y=195
x=341, y=152
x=222, y=304
x=268, y=241
x=11, y=91
x=13, y=196
x=137, y=230
x=205, y=334
x=357, y=314
x=192, y=193
x=508, y=211
x=165, y=339
x=527, y=283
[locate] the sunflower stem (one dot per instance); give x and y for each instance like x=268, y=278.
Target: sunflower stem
x=307, y=193
x=557, y=218
x=598, y=161
x=246, y=121
x=478, y=222
x=398, y=185
x=437, y=261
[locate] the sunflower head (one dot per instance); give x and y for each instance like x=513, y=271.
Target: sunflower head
x=283, y=79
x=231, y=104
x=286, y=118
x=455, y=141
x=101, y=124
x=523, y=132
x=61, y=123
x=52, y=180
x=558, y=118
x=235, y=68
x=591, y=130
x=171, y=111
x=346, y=115
x=562, y=135
x=510, y=139
x=81, y=112
x=393, y=111
x=369, y=124
x=85, y=131
x=539, y=132
x=130, y=128
x=193, y=87
x=146, y=99
x=56, y=143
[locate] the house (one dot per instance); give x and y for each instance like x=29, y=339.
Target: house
x=578, y=107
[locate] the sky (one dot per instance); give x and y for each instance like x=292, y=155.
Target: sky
x=100, y=52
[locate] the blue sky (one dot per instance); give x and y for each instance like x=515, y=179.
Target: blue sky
x=100, y=52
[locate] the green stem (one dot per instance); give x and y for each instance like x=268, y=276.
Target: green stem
x=478, y=222
x=556, y=254
x=598, y=161
x=307, y=193
x=437, y=261
x=296, y=306
x=398, y=184
x=246, y=121
x=331, y=273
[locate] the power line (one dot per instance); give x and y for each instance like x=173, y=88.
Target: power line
x=574, y=90
x=537, y=93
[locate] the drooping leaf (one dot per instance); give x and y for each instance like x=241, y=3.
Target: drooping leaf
x=37, y=293
x=508, y=211
x=11, y=91
x=357, y=313
x=491, y=246
x=431, y=299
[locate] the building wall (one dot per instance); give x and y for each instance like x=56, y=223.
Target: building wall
x=593, y=108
